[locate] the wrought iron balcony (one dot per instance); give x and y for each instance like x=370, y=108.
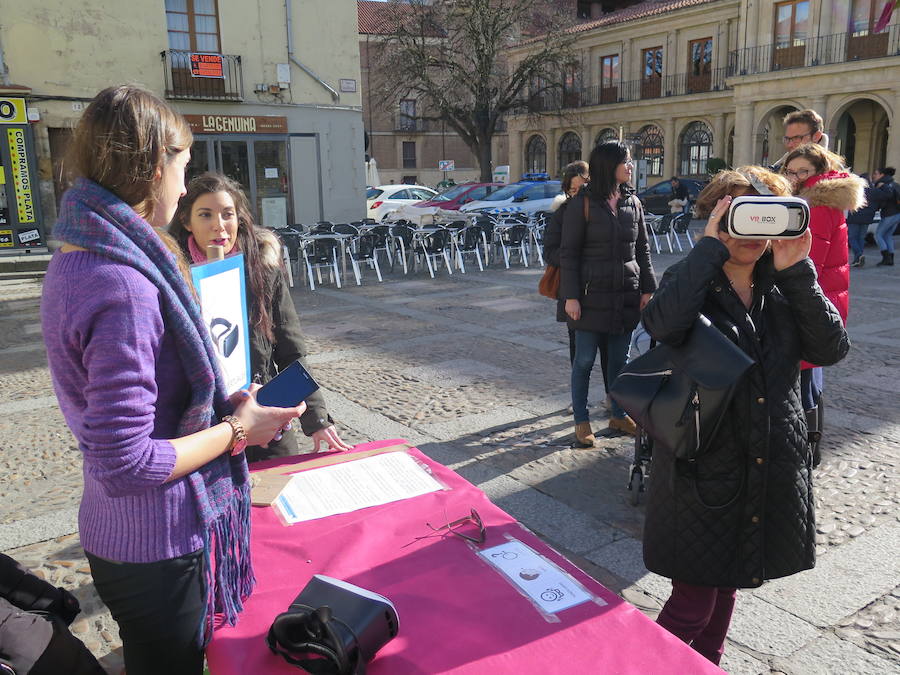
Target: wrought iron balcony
x=682, y=84
x=414, y=125
x=182, y=84
x=819, y=51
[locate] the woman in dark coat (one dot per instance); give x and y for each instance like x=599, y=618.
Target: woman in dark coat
x=743, y=512
x=215, y=211
x=574, y=177
x=606, y=277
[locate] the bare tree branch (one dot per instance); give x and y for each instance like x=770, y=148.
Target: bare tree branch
x=452, y=56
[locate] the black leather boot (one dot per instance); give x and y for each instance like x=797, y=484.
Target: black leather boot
x=884, y=259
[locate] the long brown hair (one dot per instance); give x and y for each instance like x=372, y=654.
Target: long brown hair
x=249, y=237
x=124, y=135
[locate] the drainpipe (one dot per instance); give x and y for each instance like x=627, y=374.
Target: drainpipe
x=290, y=50
x=4, y=70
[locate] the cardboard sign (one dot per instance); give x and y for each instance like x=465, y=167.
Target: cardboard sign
x=223, y=303
x=6, y=239
x=207, y=65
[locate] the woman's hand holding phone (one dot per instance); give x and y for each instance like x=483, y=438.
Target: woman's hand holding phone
x=262, y=423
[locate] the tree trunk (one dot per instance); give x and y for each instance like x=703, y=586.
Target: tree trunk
x=485, y=159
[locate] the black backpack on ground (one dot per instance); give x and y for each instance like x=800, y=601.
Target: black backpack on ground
x=34, y=633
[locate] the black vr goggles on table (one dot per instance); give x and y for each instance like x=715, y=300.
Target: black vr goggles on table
x=333, y=628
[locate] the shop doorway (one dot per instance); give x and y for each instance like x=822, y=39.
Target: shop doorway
x=260, y=165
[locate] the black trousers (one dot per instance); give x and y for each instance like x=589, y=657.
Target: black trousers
x=159, y=607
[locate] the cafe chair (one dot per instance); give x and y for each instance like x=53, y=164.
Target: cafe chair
x=322, y=227
x=362, y=250
x=318, y=254
x=485, y=224
x=345, y=228
x=402, y=236
x=468, y=241
x=514, y=239
x=681, y=225
x=536, y=231
x=437, y=245
x=383, y=241
x=659, y=227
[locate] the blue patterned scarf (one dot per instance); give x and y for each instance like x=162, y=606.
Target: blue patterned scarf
x=94, y=218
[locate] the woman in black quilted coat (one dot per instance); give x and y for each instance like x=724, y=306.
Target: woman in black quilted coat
x=606, y=277
x=743, y=512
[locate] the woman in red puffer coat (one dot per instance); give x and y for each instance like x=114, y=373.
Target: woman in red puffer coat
x=818, y=177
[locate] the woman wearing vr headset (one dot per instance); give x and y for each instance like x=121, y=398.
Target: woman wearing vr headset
x=818, y=176
x=741, y=513
x=166, y=487
x=215, y=211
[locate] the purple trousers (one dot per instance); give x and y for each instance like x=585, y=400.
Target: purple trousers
x=699, y=615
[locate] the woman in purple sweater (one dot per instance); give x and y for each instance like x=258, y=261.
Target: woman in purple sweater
x=166, y=488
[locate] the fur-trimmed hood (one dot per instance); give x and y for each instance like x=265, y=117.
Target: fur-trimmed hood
x=269, y=247
x=835, y=189
x=558, y=201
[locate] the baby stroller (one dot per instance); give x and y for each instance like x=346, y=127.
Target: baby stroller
x=639, y=471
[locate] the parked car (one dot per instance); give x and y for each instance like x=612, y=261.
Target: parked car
x=383, y=199
x=446, y=204
x=657, y=197
x=525, y=197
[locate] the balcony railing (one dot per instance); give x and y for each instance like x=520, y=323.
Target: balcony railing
x=180, y=84
x=818, y=51
x=414, y=125
x=634, y=90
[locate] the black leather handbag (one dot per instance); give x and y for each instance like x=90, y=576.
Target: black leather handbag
x=679, y=395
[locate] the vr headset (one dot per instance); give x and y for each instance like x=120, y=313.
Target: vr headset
x=333, y=627
x=765, y=216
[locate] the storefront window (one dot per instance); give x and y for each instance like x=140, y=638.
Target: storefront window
x=271, y=173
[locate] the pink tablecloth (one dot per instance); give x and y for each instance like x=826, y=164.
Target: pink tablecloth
x=456, y=613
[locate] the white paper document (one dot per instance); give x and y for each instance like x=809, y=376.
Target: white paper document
x=546, y=585
x=350, y=486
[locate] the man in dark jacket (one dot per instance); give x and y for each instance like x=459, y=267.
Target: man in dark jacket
x=888, y=195
x=858, y=224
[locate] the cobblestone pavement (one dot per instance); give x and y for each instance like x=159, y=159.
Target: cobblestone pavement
x=474, y=370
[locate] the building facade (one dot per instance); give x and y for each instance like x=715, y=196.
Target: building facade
x=271, y=92
x=408, y=149
x=685, y=81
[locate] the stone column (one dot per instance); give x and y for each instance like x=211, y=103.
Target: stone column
x=516, y=154
x=893, y=131
x=669, y=148
x=552, y=140
x=587, y=143
x=719, y=140
x=743, y=134
x=865, y=144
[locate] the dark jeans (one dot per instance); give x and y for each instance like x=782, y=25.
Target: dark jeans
x=812, y=382
x=604, y=358
x=586, y=345
x=699, y=615
x=856, y=235
x=159, y=607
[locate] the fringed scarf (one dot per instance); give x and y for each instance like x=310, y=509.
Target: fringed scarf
x=95, y=219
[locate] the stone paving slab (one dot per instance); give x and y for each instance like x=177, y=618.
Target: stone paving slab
x=832, y=656
x=844, y=581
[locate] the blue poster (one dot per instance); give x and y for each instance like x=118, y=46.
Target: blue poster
x=223, y=303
